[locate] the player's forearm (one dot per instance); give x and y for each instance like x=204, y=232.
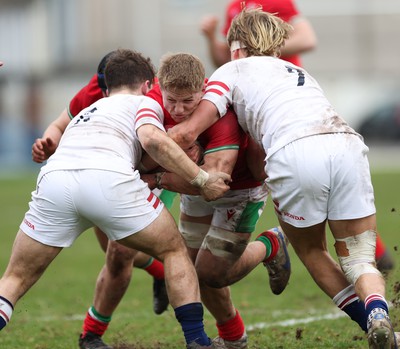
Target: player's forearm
x=167, y=153
x=53, y=132
x=56, y=129
x=219, y=52
x=173, y=182
x=302, y=39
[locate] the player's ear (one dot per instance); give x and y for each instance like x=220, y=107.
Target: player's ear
x=235, y=54
x=146, y=87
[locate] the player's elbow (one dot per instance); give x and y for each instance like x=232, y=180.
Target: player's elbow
x=148, y=137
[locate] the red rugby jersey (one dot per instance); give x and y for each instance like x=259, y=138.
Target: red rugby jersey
x=284, y=9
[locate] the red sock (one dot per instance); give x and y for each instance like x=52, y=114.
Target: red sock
x=273, y=241
x=232, y=329
x=96, y=326
x=380, y=247
x=155, y=269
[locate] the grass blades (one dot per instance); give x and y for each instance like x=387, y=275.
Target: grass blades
x=50, y=315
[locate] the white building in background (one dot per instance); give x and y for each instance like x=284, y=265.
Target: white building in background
x=52, y=48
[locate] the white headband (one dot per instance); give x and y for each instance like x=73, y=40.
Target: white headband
x=236, y=45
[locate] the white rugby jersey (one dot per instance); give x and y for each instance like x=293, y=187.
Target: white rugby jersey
x=102, y=136
x=150, y=112
x=275, y=101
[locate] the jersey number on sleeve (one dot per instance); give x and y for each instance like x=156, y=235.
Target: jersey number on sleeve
x=300, y=80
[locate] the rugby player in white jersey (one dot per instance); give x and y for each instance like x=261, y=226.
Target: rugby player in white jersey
x=316, y=164
x=91, y=179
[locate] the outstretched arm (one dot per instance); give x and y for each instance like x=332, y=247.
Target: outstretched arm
x=218, y=49
x=301, y=39
x=44, y=147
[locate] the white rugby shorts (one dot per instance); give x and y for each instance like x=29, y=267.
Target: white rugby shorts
x=321, y=177
x=66, y=203
x=237, y=211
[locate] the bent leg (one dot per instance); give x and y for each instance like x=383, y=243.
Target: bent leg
x=230, y=325
x=111, y=285
x=355, y=247
x=162, y=240
x=29, y=259
x=366, y=278
x=310, y=246
x=114, y=278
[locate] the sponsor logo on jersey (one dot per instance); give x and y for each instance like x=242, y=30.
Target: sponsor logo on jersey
x=230, y=213
x=29, y=224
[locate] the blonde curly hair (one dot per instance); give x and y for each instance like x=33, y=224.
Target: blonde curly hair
x=260, y=33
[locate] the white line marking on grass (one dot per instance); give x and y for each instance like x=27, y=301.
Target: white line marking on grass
x=257, y=326
x=292, y=322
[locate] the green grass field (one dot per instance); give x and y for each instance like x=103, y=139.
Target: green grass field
x=51, y=313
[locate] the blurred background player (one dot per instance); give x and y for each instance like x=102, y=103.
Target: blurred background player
x=115, y=276
x=302, y=39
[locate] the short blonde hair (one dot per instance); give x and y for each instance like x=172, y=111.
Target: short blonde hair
x=181, y=71
x=260, y=32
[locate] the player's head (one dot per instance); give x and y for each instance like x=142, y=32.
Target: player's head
x=100, y=71
x=257, y=33
x=129, y=69
x=181, y=77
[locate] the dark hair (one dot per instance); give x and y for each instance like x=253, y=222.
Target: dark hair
x=128, y=68
x=100, y=71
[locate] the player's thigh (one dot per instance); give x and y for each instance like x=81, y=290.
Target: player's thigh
x=28, y=261
x=305, y=240
x=158, y=238
x=345, y=228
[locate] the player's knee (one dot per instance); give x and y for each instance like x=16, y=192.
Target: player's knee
x=224, y=243
x=356, y=255
x=193, y=233
x=119, y=258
